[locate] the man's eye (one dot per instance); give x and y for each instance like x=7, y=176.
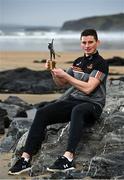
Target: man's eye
x=90, y=42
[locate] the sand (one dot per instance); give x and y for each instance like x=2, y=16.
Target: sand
x=12, y=60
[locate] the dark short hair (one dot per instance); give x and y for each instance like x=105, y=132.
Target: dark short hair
x=89, y=32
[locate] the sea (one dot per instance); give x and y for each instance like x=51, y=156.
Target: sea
x=27, y=39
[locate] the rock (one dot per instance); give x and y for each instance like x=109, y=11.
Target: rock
x=16, y=129
x=11, y=109
x=40, y=61
x=17, y=101
x=23, y=80
x=100, y=153
x=4, y=120
x=116, y=61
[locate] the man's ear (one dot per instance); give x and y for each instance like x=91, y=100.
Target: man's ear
x=98, y=42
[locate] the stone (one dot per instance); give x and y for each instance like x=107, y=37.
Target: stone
x=100, y=153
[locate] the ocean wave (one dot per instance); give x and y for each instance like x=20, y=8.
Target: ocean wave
x=39, y=34
x=111, y=35
x=64, y=40
x=59, y=35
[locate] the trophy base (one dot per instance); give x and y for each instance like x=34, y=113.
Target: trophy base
x=51, y=64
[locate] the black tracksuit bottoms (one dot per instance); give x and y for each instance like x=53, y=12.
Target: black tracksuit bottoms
x=78, y=112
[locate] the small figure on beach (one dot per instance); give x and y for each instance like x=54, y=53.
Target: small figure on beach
x=81, y=105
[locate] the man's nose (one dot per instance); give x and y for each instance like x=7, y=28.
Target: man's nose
x=87, y=44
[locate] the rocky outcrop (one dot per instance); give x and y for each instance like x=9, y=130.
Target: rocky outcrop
x=23, y=80
x=10, y=108
x=101, y=23
x=3, y=116
x=100, y=153
x=116, y=61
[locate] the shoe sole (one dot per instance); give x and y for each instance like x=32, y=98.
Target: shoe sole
x=17, y=173
x=59, y=170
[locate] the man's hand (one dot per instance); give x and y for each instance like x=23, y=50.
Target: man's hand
x=59, y=73
x=49, y=65
x=58, y=76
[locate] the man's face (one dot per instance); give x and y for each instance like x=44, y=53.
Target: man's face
x=89, y=44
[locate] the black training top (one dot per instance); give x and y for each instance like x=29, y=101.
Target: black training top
x=85, y=67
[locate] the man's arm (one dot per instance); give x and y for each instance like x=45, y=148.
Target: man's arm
x=86, y=87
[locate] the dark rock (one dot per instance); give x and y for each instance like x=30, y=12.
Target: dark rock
x=100, y=153
x=40, y=61
x=11, y=109
x=17, y=128
x=22, y=113
x=17, y=101
x=23, y=80
x=2, y=127
x=116, y=61
x=4, y=121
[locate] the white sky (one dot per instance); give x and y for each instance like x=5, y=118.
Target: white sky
x=55, y=12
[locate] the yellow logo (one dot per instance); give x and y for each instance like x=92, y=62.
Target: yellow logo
x=90, y=66
x=77, y=69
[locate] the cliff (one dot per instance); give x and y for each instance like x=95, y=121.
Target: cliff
x=103, y=23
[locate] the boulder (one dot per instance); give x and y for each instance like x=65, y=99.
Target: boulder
x=100, y=153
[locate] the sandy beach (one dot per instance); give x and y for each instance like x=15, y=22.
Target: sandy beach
x=12, y=60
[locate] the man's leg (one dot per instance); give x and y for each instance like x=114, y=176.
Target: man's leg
x=82, y=115
x=58, y=112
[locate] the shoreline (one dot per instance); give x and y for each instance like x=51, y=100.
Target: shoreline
x=31, y=98
x=12, y=60
x=25, y=59
x=17, y=59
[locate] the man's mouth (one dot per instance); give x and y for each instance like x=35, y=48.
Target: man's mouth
x=88, y=50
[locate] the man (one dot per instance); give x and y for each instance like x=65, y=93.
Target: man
x=82, y=105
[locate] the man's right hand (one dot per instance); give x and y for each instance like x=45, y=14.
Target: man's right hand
x=58, y=80
x=47, y=64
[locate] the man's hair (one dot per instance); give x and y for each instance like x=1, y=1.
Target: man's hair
x=89, y=32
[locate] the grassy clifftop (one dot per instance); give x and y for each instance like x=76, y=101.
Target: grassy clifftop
x=103, y=23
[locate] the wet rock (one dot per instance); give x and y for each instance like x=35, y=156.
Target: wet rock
x=116, y=61
x=2, y=127
x=23, y=80
x=100, y=153
x=4, y=121
x=17, y=101
x=16, y=129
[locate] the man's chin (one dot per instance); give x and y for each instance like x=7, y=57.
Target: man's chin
x=89, y=53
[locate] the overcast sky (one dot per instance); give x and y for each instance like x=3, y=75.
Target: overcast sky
x=55, y=12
